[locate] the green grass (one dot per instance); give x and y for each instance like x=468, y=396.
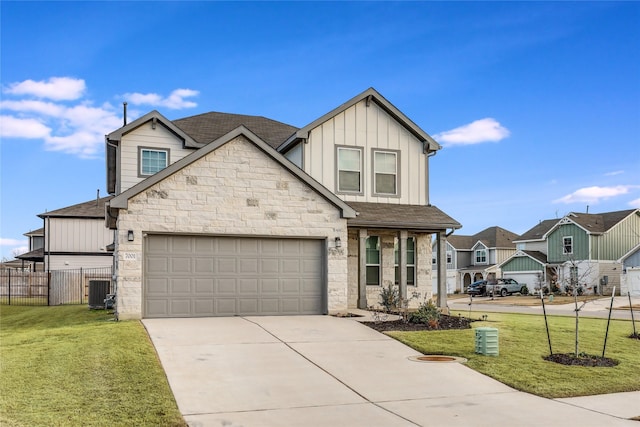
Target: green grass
x=523, y=344
x=69, y=366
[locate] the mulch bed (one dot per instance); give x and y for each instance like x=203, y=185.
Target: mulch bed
x=635, y=336
x=570, y=359
x=446, y=322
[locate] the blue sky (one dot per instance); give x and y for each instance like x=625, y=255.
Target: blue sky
x=537, y=104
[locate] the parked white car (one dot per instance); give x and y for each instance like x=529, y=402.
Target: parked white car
x=504, y=287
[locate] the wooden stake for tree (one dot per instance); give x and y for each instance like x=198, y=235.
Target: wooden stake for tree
x=633, y=322
x=606, y=334
x=546, y=324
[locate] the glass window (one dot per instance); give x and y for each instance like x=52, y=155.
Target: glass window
x=411, y=261
x=152, y=161
x=373, y=260
x=481, y=256
x=567, y=245
x=349, y=169
x=385, y=171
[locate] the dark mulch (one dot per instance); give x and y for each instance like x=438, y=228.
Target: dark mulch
x=581, y=360
x=635, y=336
x=446, y=322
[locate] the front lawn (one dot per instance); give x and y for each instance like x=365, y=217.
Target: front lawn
x=523, y=344
x=69, y=366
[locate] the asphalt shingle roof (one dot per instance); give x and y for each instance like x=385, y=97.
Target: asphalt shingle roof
x=599, y=223
x=539, y=230
x=492, y=237
x=409, y=217
x=91, y=209
x=207, y=127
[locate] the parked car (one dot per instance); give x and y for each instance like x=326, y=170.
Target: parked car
x=504, y=287
x=478, y=288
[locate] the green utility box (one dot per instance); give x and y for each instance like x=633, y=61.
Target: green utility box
x=487, y=341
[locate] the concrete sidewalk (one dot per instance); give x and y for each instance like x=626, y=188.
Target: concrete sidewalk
x=328, y=371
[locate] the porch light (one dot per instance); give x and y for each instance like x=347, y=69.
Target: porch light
x=130, y=235
x=338, y=242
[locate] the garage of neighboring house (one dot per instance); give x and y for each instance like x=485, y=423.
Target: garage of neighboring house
x=195, y=276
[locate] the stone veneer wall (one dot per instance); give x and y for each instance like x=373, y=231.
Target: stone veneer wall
x=234, y=190
x=423, y=268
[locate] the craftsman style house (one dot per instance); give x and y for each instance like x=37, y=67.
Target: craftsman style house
x=223, y=214
x=473, y=258
x=580, y=249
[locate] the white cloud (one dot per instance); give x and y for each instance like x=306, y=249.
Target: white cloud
x=174, y=101
x=614, y=173
x=635, y=203
x=11, y=242
x=13, y=127
x=76, y=127
x=56, y=88
x=477, y=132
x=594, y=194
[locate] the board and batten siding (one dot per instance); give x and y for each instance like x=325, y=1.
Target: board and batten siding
x=76, y=235
x=522, y=263
x=618, y=240
x=580, y=244
x=145, y=136
x=370, y=128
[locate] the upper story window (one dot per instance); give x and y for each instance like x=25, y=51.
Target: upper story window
x=349, y=170
x=567, y=245
x=449, y=257
x=385, y=173
x=481, y=256
x=152, y=161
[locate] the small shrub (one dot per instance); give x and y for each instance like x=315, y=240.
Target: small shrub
x=389, y=298
x=524, y=290
x=426, y=313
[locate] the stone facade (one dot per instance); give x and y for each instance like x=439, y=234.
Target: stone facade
x=417, y=294
x=236, y=189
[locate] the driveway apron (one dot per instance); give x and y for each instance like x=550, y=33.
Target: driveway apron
x=328, y=371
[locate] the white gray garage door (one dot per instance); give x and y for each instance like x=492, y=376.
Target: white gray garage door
x=198, y=276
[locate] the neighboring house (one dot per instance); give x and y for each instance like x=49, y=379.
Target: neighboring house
x=222, y=214
x=33, y=259
x=473, y=258
x=72, y=237
x=630, y=280
x=580, y=248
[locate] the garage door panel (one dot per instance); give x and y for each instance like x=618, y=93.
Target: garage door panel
x=157, y=264
x=248, y=265
x=180, y=307
x=203, y=286
x=192, y=276
x=180, y=265
x=180, y=286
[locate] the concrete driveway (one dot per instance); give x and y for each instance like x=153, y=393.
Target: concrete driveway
x=328, y=371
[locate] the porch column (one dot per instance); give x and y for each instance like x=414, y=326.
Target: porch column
x=362, y=269
x=441, y=243
x=402, y=263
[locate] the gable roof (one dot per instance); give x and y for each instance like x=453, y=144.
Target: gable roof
x=406, y=217
x=35, y=233
x=539, y=231
x=121, y=201
x=491, y=237
x=156, y=118
x=91, y=209
x=371, y=95
x=537, y=256
x=207, y=127
x=599, y=223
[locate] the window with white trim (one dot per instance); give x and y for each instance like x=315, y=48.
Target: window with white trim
x=567, y=245
x=349, y=170
x=385, y=172
x=153, y=161
x=481, y=256
x=373, y=260
x=411, y=260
